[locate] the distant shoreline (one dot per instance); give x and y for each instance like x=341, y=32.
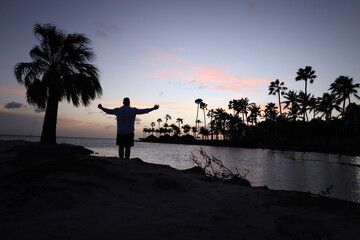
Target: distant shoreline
x=351, y=150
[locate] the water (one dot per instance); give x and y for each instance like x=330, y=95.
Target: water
x=281, y=170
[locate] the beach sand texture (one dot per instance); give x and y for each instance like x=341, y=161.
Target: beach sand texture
x=85, y=197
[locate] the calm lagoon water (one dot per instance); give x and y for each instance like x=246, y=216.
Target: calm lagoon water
x=281, y=170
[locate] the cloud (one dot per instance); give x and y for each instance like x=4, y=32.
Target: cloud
x=12, y=105
x=72, y=122
x=39, y=110
x=14, y=91
x=251, y=8
x=158, y=55
x=210, y=77
x=104, y=30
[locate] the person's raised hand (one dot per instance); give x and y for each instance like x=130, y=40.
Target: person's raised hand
x=100, y=106
x=156, y=107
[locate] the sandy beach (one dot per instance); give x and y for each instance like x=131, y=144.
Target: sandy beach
x=65, y=196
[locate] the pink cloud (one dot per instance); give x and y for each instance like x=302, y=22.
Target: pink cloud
x=218, y=80
x=211, y=77
x=14, y=91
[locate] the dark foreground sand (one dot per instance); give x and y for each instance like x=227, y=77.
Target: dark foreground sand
x=65, y=197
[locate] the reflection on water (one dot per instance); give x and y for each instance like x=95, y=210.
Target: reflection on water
x=284, y=170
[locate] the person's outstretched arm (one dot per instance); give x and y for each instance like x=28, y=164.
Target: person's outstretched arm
x=147, y=110
x=108, y=111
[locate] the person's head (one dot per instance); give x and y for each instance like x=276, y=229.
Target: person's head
x=126, y=101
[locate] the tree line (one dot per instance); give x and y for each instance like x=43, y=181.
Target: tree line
x=300, y=109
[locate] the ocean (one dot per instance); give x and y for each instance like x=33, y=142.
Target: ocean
x=280, y=170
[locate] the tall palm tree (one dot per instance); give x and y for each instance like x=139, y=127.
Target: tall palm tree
x=198, y=102
x=306, y=74
x=60, y=69
x=203, y=106
x=343, y=87
x=278, y=88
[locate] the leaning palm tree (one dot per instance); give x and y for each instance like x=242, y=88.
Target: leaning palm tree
x=342, y=88
x=60, y=69
x=278, y=88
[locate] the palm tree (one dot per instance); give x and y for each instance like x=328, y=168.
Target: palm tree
x=159, y=121
x=278, y=88
x=254, y=113
x=304, y=103
x=211, y=114
x=292, y=104
x=203, y=106
x=313, y=105
x=180, y=121
x=167, y=117
x=243, y=107
x=270, y=111
x=326, y=104
x=186, y=128
x=60, y=69
x=198, y=102
x=194, y=131
x=152, y=124
x=306, y=74
x=342, y=88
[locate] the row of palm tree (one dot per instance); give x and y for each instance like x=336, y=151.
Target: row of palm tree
x=297, y=106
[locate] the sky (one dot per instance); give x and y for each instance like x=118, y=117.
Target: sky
x=171, y=52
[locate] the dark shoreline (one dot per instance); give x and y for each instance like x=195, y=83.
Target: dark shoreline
x=76, y=196
x=351, y=150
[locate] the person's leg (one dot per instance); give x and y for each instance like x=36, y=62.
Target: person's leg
x=121, y=151
x=127, y=152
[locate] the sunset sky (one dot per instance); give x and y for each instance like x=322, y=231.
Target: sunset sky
x=171, y=52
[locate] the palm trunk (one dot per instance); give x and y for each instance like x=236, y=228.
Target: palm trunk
x=197, y=114
x=48, y=135
x=204, y=119
x=279, y=103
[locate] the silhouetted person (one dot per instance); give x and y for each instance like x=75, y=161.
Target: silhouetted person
x=125, y=116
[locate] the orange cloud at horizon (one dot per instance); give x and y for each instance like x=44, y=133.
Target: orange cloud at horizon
x=14, y=91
